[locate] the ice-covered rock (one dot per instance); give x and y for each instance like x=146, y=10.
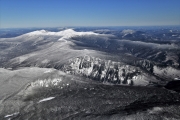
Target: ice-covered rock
x=106, y=71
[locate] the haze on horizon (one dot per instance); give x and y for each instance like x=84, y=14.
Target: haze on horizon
x=53, y=13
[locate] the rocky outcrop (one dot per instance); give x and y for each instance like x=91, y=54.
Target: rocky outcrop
x=145, y=64
x=106, y=71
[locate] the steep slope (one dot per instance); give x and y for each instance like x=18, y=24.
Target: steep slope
x=108, y=71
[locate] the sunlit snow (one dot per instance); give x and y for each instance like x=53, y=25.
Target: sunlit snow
x=46, y=99
x=64, y=34
x=16, y=113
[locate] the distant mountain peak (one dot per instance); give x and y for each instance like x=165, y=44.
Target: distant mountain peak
x=128, y=31
x=65, y=33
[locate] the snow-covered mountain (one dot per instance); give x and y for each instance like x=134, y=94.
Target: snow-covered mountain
x=90, y=73
x=43, y=48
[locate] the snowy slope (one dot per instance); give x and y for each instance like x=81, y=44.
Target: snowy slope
x=40, y=48
x=13, y=81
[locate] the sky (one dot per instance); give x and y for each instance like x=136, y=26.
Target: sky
x=61, y=13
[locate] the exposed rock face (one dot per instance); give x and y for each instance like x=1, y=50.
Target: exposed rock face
x=145, y=64
x=106, y=71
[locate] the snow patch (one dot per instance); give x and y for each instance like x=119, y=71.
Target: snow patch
x=71, y=33
x=22, y=58
x=45, y=61
x=152, y=45
x=46, y=82
x=48, y=71
x=155, y=110
x=126, y=32
x=46, y=99
x=168, y=72
x=16, y=113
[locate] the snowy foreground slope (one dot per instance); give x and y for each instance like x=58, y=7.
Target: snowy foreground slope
x=54, y=94
x=88, y=75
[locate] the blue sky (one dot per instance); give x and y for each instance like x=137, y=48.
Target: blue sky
x=56, y=13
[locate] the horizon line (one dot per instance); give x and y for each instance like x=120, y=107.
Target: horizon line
x=90, y=26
